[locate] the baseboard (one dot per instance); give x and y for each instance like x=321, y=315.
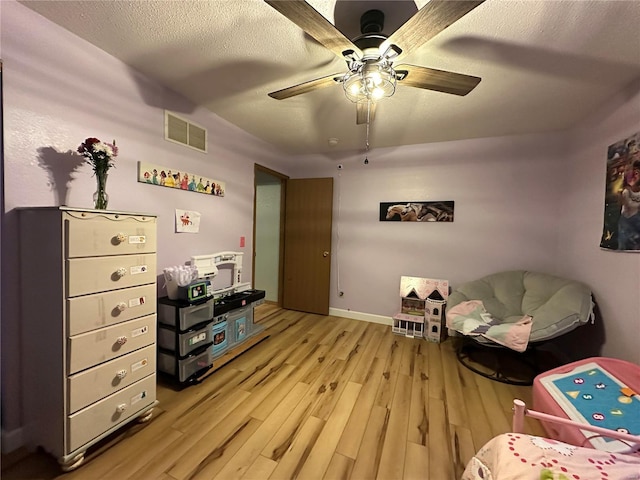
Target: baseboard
x=366, y=317
x=11, y=440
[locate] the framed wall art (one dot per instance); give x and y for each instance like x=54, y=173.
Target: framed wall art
x=425, y=211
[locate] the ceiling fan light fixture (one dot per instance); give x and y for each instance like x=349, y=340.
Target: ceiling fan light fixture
x=377, y=93
x=370, y=81
x=374, y=78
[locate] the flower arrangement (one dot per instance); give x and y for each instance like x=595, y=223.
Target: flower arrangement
x=100, y=156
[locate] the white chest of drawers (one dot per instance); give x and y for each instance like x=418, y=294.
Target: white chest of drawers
x=88, y=299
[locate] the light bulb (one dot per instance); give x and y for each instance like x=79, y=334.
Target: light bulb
x=377, y=93
x=375, y=78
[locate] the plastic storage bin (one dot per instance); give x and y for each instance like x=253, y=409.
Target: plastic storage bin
x=182, y=315
x=184, y=343
x=186, y=368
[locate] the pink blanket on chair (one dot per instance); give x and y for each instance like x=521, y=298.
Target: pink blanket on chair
x=471, y=318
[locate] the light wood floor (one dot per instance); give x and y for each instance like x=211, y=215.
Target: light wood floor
x=322, y=397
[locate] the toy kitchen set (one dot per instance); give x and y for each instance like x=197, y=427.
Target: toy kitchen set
x=206, y=319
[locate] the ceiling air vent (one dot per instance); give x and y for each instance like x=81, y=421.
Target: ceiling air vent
x=179, y=130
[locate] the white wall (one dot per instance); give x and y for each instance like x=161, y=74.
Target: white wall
x=507, y=204
x=59, y=90
x=614, y=276
x=523, y=202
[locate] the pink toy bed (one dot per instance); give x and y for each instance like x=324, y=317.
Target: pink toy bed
x=518, y=456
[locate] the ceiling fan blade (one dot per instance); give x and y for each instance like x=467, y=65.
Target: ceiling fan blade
x=365, y=112
x=309, y=86
x=430, y=20
x=316, y=25
x=438, y=80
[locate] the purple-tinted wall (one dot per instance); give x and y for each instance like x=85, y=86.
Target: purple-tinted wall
x=532, y=201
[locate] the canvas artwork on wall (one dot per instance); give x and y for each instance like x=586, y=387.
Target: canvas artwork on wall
x=621, y=229
x=416, y=211
x=174, y=178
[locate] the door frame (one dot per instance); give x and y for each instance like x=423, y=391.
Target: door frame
x=283, y=194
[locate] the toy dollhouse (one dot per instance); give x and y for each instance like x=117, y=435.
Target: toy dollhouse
x=422, y=308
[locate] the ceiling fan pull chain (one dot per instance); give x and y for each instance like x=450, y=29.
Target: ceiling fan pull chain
x=366, y=155
x=368, y=123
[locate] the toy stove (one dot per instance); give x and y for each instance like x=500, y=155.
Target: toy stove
x=234, y=300
x=238, y=300
x=233, y=321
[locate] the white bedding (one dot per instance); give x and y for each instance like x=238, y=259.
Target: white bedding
x=516, y=456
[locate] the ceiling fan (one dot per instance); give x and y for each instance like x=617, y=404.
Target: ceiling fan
x=371, y=73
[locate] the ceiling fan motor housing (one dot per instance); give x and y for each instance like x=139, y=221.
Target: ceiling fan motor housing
x=371, y=25
x=372, y=21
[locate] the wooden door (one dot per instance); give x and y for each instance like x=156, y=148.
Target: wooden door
x=307, y=244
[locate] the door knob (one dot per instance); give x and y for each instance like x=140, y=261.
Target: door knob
x=325, y=254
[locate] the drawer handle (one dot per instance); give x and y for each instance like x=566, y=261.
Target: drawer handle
x=121, y=340
x=121, y=237
x=121, y=306
x=121, y=272
x=121, y=408
x=121, y=374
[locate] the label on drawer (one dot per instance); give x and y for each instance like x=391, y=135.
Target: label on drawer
x=137, y=239
x=136, y=302
x=138, y=269
x=138, y=365
x=135, y=399
x=198, y=338
x=139, y=331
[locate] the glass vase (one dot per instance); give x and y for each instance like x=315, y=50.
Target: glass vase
x=100, y=197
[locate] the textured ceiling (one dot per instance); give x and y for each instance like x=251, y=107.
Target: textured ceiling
x=544, y=65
